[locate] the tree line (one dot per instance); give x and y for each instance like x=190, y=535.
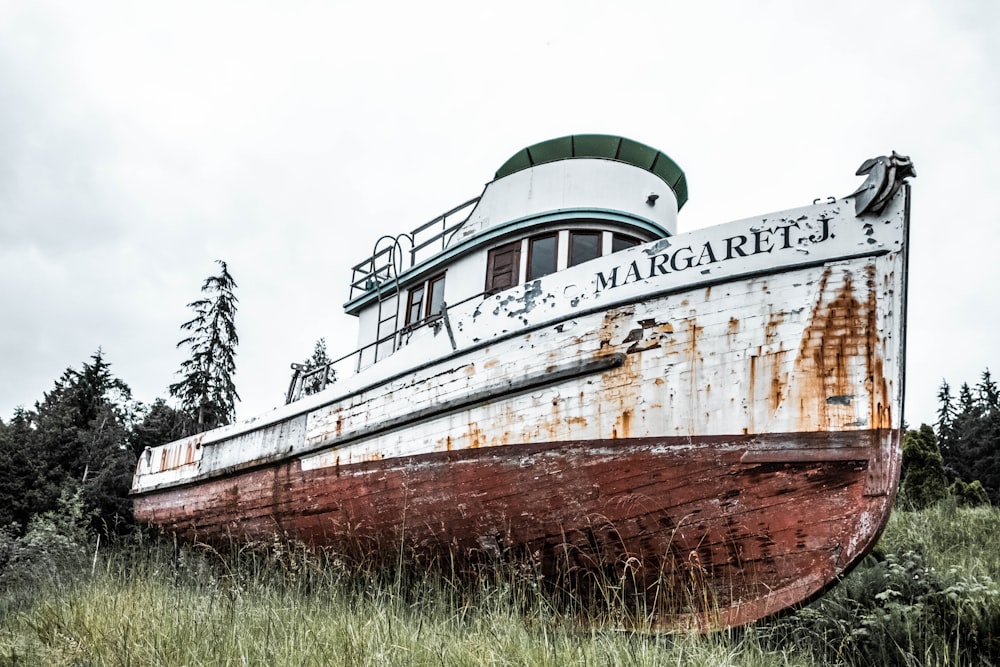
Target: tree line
x=85, y=434
x=959, y=456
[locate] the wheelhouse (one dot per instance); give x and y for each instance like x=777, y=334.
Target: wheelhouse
x=550, y=207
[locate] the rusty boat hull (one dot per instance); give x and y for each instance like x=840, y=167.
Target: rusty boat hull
x=716, y=530
x=725, y=432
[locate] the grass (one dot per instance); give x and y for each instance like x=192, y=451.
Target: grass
x=927, y=597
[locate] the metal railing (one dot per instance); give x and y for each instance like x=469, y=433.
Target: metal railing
x=387, y=262
x=310, y=379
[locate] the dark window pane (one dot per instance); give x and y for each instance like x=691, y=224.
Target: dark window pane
x=436, y=296
x=621, y=242
x=583, y=247
x=542, y=257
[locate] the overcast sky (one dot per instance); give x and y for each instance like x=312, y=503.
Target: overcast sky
x=141, y=141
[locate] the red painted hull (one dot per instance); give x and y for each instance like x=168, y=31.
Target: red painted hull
x=752, y=523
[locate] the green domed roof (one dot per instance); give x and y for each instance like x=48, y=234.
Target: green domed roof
x=601, y=146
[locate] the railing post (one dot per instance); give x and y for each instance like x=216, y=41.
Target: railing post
x=447, y=325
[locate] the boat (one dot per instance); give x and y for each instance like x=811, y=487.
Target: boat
x=550, y=371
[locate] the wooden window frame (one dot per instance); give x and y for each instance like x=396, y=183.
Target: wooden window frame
x=418, y=290
x=514, y=248
x=429, y=291
x=424, y=301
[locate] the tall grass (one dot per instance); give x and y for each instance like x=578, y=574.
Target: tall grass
x=927, y=597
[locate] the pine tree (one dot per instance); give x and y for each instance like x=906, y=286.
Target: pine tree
x=318, y=380
x=75, y=441
x=15, y=469
x=207, y=391
x=946, y=414
x=963, y=443
x=988, y=394
x=988, y=435
x=970, y=434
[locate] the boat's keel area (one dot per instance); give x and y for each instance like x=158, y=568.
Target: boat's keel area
x=712, y=531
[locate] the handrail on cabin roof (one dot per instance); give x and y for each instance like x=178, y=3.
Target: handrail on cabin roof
x=380, y=267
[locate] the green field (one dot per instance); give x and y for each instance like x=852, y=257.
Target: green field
x=926, y=596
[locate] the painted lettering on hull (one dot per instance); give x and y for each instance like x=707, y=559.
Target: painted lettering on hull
x=754, y=242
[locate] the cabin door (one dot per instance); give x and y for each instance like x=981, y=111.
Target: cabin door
x=503, y=265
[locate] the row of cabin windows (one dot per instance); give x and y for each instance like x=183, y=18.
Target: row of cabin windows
x=503, y=265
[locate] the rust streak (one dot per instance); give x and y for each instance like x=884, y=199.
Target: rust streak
x=881, y=414
x=774, y=320
x=476, y=436
x=840, y=339
x=624, y=422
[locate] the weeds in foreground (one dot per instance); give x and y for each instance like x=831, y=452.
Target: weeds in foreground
x=926, y=597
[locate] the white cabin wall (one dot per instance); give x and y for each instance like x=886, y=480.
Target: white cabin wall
x=581, y=183
x=367, y=325
x=465, y=278
x=368, y=320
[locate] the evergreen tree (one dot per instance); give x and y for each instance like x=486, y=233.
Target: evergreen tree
x=318, y=381
x=75, y=441
x=989, y=396
x=946, y=414
x=160, y=424
x=923, y=479
x=988, y=434
x=15, y=469
x=963, y=442
x=207, y=391
x=970, y=434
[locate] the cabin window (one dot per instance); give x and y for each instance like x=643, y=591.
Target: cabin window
x=583, y=247
x=502, y=267
x=542, y=256
x=435, y=293
x=416, y=301
x=425, y=300
x=620, y=242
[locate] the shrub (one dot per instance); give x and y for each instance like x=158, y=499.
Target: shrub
x=968, y=494
x=52, y=551
x=923, y=601
x=924, y=481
